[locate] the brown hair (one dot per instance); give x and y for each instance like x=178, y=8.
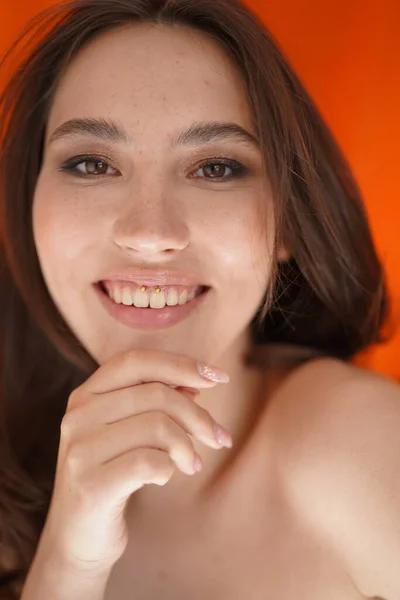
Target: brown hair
x=329, y=297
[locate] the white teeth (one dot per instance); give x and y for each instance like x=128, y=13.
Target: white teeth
x=183, y=297
x=140, y=299
x=157, y=300
x=124, y=295
x=172, y=299
x=117, y=295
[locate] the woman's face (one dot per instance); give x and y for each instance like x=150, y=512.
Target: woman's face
x=148, y=204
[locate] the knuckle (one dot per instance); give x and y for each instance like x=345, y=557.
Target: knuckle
x=148, y=463
x=161, y=423
x=136, y=355
x=124, y=360
x=68, y=425
x=75, y=457
x=142, y=464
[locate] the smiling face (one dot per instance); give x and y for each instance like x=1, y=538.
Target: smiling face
x=150, y=203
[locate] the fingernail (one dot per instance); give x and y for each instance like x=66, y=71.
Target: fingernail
x=212, y=373
x=198, y=463
x=223, y=437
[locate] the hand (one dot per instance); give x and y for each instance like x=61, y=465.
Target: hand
x=128, y=425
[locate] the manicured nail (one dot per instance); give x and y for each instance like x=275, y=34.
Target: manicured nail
x=212, y=373
x=223, y=437
x=198, y=463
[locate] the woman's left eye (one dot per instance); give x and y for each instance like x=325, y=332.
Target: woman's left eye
x=96, y=166
x=219, y=167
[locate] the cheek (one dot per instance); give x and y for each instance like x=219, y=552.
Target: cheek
x=58, y=225
x=245, y=243
x=60, y=232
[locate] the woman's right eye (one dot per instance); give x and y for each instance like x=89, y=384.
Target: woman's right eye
x=95, y=166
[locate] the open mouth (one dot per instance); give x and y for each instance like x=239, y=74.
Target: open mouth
x=176, y=299
x=157, y=317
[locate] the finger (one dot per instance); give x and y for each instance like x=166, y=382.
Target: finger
x=149, y=430
x=131, y=471
x=107, y=409
x=141, y=366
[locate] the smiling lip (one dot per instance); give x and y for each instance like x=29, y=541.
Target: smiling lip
x=148, y=318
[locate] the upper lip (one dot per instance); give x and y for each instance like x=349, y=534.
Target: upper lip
x=150, y=277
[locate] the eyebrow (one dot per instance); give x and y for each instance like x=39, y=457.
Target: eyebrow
x=197, y=134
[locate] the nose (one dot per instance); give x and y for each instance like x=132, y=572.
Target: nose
x=151, y=227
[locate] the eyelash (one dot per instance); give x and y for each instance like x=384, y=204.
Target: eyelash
x=69, y=166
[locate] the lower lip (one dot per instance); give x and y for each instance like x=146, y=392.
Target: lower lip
x=148, y=318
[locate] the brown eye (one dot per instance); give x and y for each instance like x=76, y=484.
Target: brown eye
x=87, y=166
x=215, y=170
x=218, y=170
x=98, y=167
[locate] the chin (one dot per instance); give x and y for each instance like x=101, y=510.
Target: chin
x=107, y=345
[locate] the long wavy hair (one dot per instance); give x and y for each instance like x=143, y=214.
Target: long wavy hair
x=329, y=298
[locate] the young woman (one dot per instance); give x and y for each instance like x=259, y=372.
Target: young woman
x=171, y=200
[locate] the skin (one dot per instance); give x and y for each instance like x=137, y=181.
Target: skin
x=158, y=209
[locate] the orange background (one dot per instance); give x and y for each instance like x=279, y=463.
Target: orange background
x=347, y=52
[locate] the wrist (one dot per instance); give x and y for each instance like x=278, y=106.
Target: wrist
x=53, y=577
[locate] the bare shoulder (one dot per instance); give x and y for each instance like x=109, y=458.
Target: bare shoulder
x=329, y=396
x=336, y=443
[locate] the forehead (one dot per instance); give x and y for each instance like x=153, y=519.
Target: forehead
x=160, y=71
